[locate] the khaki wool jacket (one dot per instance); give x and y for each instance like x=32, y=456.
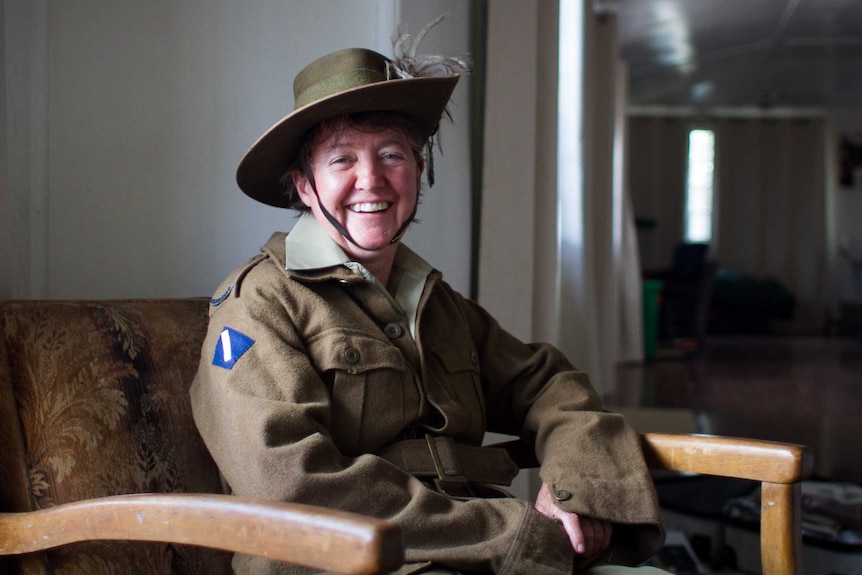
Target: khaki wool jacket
x=306, y=377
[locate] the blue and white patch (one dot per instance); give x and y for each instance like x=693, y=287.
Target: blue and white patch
x=230, y=347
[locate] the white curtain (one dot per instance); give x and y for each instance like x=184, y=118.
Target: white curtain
x=556, y=263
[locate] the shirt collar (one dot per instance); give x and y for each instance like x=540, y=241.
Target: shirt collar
x=308, y=247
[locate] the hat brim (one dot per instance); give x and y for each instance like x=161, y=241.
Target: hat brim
x=260, y=171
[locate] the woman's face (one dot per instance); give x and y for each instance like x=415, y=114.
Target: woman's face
x=369, y=182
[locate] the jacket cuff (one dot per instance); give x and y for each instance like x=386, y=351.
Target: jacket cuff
x=540, y=548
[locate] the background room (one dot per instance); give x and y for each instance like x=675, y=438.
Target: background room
x=753, y=231
x=744, y=129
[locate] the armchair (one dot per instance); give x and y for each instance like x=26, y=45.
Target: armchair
x=102, y=469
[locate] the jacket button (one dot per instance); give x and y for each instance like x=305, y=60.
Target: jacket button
x=474, y=358
x=393, y=330
x=351, y=354
x=562, y=495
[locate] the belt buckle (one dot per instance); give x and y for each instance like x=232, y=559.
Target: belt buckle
x=453, y=485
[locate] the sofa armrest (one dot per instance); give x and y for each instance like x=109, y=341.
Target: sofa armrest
x=300, y=534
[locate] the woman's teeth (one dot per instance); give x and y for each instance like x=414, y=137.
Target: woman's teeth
x=369, y=207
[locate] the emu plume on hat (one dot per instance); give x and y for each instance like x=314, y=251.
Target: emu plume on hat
x=346, y=82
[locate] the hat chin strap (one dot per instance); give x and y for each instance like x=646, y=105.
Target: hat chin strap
x=343, y=231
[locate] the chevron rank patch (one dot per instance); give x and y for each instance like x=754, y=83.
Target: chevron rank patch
x=230, y=347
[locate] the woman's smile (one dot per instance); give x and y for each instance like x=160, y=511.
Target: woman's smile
x=369, y=207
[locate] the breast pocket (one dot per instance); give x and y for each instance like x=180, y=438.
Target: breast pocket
x=456, y=378
x=370, y=388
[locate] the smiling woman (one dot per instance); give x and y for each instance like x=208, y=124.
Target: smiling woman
x=359, y=380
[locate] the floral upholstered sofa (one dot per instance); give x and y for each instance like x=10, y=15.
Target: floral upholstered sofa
x=102, y=470
x=94, y=402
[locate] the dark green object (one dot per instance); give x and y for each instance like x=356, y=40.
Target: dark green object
x=650, y=298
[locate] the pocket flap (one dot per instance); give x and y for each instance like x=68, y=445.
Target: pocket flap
x=353, y=352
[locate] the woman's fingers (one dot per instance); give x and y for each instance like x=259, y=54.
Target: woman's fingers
x=588, y=536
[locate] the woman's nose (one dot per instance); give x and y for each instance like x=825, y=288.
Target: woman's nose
x=368, y=174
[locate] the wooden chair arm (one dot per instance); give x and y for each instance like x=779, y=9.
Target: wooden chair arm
x=728, y=457
x=780, y=467
x=706, y=454
x=304, y=535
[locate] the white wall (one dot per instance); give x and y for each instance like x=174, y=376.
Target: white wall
x=6, y=232
x=506, y=282
x=23, y=219
x=126, y=121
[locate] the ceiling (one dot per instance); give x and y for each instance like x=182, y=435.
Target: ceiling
x=771, y=54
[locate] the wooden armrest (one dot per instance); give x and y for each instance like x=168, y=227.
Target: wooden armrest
x=728, y=457
x=304, y=535
x=707, y=454
x=780, y=467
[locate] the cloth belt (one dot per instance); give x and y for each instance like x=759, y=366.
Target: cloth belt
x=447, y=461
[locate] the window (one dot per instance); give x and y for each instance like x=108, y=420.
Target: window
x=699, y=186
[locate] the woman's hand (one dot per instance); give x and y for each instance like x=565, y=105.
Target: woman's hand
x=588, y=536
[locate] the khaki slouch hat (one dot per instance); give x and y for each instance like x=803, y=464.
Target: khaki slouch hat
x=345, y=82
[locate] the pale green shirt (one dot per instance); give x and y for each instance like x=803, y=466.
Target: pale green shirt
x=309, y=247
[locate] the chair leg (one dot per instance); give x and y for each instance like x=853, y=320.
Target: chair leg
x=780, y=528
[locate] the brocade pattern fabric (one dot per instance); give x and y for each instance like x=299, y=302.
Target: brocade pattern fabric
x=100, y=393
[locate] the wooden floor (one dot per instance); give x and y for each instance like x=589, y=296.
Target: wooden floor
x=801, y=390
